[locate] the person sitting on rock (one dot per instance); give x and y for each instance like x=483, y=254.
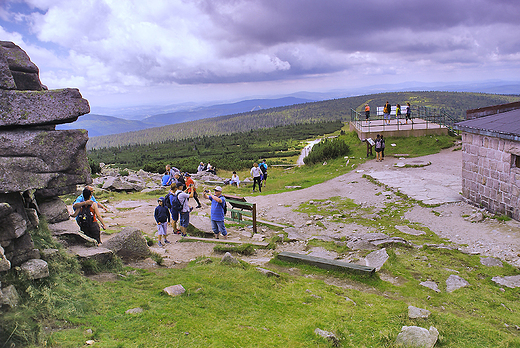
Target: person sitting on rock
x=84, y=201
x=166, y=179
x=235, y=180
x=201, y=167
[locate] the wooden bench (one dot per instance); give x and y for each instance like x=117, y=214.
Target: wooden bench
x=240, y=207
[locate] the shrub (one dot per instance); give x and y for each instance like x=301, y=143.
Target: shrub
x=327, y=149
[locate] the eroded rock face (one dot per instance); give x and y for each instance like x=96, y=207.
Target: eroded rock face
x=36, y=161
x=16, y=69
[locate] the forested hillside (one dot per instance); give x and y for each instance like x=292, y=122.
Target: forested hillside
x=455, y=103
x=234, y=151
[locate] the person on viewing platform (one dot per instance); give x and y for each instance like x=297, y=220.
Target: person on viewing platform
x=408, y=112
x=398, y=113
x=367, y=112
x=386, y=113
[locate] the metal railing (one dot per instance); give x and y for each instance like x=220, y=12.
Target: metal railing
x=422, y=117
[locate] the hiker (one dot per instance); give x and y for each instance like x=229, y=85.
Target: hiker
x=182, y=208
x=162, y=217
x=235, y=180
x=192, y=187
x=211, y=169
x=256, y=173
x=179, y=179
x=378, y=148
x=382, y=147
x=367, y=113
x=386, y=113
x=201, y=167
x=166, y=179
x=218, y=211
x=263, y=168
x=174, y=213
x=398, y=113
x=171, y=170
x=408, y=113
x=87, y=215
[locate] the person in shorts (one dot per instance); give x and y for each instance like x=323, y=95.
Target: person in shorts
x=218, y=202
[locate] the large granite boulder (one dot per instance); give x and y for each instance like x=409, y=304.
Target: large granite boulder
x=129, y=244
x=5, y=264
x=54, y=210
x=35, y=269
x=23, y=108
x=16, y=69
x=43, y=159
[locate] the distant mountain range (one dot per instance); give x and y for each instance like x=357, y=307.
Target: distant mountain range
x=98, y=125
x=454, y=104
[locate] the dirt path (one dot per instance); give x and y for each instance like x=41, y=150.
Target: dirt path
x=438, y=181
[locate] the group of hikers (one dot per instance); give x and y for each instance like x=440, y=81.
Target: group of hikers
x=387, y=109
x=173, y=208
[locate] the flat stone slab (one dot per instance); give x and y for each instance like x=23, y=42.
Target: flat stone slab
x=325, y=263
x=408, y=230
x=431, y=188
x=509, y=281
x=430, y=285
x=455, y=282
x=377, y=259
x=491, y=262
x=22, y=108
x=416, y=313
x=267, y=272
x=99, y=254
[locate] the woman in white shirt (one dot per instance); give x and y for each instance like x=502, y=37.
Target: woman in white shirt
x=256, y=173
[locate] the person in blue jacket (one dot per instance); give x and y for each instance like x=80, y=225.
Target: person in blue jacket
x=162, y=217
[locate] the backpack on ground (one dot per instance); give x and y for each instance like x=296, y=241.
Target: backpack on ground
x=176, y=203
x=85, y=219
x=167, y=202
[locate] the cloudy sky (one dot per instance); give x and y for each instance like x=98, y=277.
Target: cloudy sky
x=171, y=51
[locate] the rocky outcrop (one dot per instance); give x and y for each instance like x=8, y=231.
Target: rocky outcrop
x=37, y=162
x=129, y=244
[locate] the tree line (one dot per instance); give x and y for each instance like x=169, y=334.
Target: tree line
x=227, y=151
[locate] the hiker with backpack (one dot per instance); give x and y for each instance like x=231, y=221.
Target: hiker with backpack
x=218, y=211
x=263, y=168
x=168, y=204
x=378, y=147
x=87, y=213
x=180, y=209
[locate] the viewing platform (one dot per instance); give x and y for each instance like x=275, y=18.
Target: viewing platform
x=427, y=122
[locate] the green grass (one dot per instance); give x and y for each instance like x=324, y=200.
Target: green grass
x=226, y=306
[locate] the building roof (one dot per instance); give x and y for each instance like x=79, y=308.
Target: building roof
x=505, y=125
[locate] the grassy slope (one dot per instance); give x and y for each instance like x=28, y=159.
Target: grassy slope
x=227, y=306
x=456, y=104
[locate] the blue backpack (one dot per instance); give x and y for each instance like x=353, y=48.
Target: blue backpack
x=175, y=203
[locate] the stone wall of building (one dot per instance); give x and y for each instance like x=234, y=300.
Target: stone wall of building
x=490, y=177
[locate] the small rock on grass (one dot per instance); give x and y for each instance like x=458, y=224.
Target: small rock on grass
x=415, y=312
x=455, y=282
x=414, y=336
x=431, y=285
x=327, y=335
x=175, y=290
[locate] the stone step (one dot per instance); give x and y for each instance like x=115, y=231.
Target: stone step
x=325, y=263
